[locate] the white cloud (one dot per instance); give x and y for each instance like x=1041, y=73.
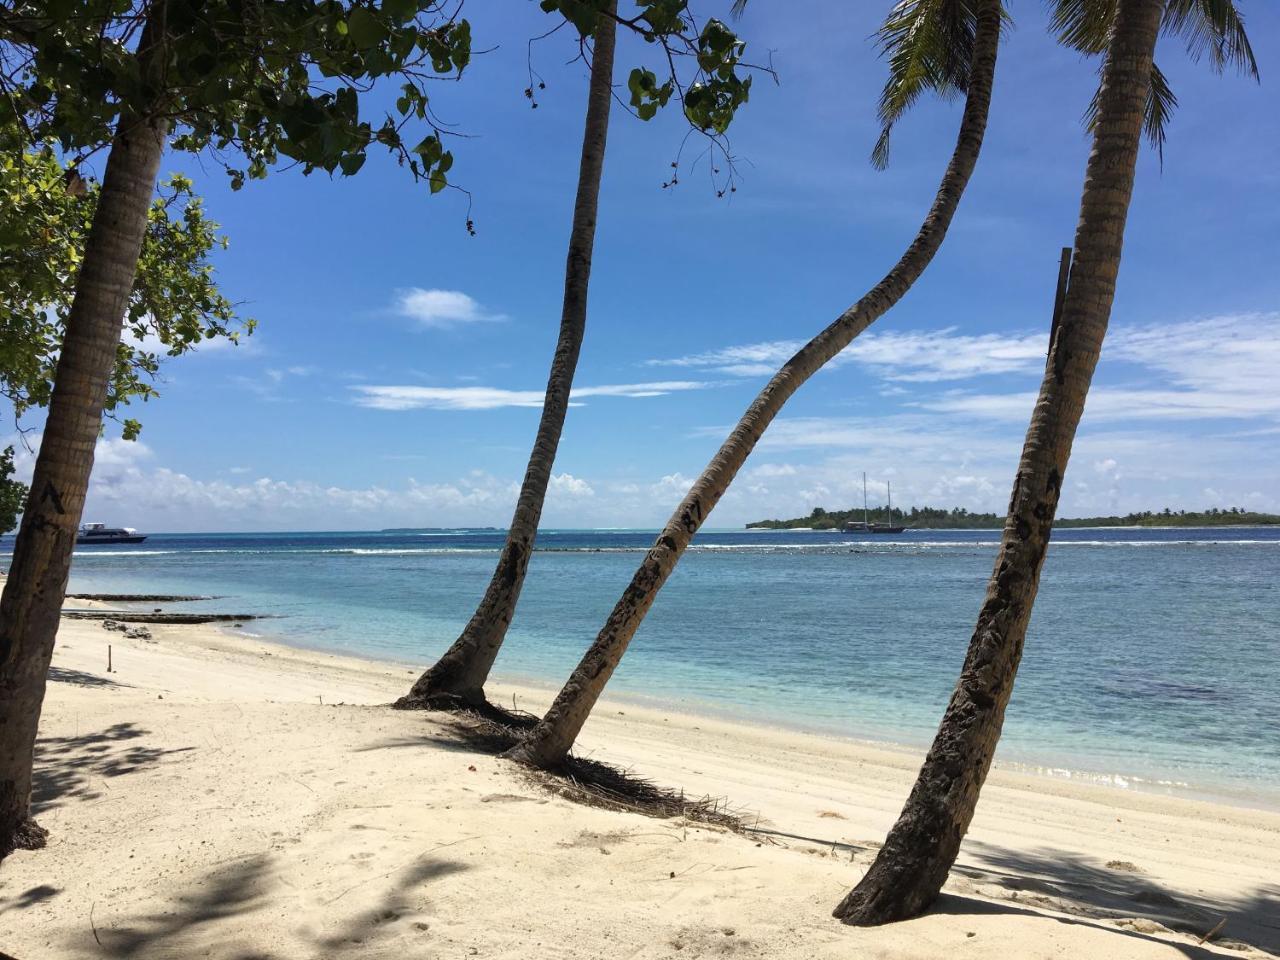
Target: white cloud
x=394, y=397
x=441, y=309
x=1218, y=368
x=751, y=359
x=150, y=343
x=443, y=398
x=653, y=389
x=924, y=357
x=773, y=470
x=912, y=356
x=570, y=486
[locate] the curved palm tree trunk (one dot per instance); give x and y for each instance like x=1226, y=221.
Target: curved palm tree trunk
x=549, y=742
x=33, y=594
x=912, y=865
x=458, y=677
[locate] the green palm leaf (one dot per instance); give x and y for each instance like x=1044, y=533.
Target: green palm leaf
x=1208, y=27
x=928, y=45
x=1212, y=27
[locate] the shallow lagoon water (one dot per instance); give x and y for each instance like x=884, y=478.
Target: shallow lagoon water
x=1152, y=661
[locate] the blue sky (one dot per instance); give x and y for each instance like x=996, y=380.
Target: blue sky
x=395, y=375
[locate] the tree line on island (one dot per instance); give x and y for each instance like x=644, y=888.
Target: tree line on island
x=292, y=83
x=959, y=518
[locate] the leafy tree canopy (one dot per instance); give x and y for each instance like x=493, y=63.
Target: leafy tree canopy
x=13, y=493
x=248, y=82
x=175, y=306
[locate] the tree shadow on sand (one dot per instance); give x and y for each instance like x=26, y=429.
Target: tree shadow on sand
x=80, y=678
x=356, y=933
x=186, y=925
x=29, y=898
x=67, y=768
x=226, y=892
x=1070, y=883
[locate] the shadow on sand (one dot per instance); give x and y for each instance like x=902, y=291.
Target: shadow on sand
x=188, y=924
x=80, y=678
x=1069, y=883
x=67, y=768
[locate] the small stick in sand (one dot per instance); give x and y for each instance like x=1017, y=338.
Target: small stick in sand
x=109, y=658
x=1214, y=932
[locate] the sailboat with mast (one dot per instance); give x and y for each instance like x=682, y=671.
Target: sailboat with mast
x=868, y=525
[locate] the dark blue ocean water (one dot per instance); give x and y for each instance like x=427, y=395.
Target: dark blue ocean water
x=1153, y=656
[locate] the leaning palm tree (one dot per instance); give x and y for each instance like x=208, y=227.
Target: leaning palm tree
x=458, y=677
x=32, y=599
x=912, y=866
x=944, y=46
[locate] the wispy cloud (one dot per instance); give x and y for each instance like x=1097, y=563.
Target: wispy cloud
x=1217, y=368
x=927, y=357
x=912, y=356
x=267, y=382
x=744, y=360
x=441, y=309
x=150, y=343
x=400, y=397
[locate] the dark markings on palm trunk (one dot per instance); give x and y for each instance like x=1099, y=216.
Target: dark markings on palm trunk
x=549, y=743
x=458, y=677
x=911, y=867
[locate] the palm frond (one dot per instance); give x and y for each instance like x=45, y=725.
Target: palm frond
x=1209, y=27
x=1214, y=28
x=739, y=7
x=928, y=45
x=1160, y=105
x=1083, y=25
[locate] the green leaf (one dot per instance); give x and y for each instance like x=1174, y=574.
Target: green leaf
x=351, y=164
x=365, y=29
x=401, y=11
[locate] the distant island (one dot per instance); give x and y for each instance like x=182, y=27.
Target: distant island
x=442, y=530
x=931, y=518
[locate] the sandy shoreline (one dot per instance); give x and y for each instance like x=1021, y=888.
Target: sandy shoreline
x=211, y=798
x=528, y=692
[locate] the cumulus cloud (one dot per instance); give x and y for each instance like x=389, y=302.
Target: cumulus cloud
x=570, y=486
x=441, y=309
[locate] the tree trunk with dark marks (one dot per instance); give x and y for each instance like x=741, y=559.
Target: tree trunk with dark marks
x=912, y=866
x=458, y=677
x=33, y=593
x=548, y=744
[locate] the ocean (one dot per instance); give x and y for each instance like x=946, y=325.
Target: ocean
x=1152, y=661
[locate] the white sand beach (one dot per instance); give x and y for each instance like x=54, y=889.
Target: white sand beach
x=218, y=796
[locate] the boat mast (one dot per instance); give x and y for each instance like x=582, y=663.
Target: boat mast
x=864, y=501
x=888, y=486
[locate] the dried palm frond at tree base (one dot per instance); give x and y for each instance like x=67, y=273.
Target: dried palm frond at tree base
x=495, y=730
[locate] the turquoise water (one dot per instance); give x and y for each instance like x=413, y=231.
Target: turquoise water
x=1152, y=661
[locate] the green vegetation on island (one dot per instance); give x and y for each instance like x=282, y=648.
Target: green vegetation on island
x=958, y=518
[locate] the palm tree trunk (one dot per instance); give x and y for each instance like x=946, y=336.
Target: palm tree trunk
x=912, y=866
x=548, y=744
x=33, y=593
x=458, y=677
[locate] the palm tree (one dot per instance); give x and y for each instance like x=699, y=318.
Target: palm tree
x=912, y=866
x=32, y=601
x=458, y=677
x=939, y=45
x=106, y=90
